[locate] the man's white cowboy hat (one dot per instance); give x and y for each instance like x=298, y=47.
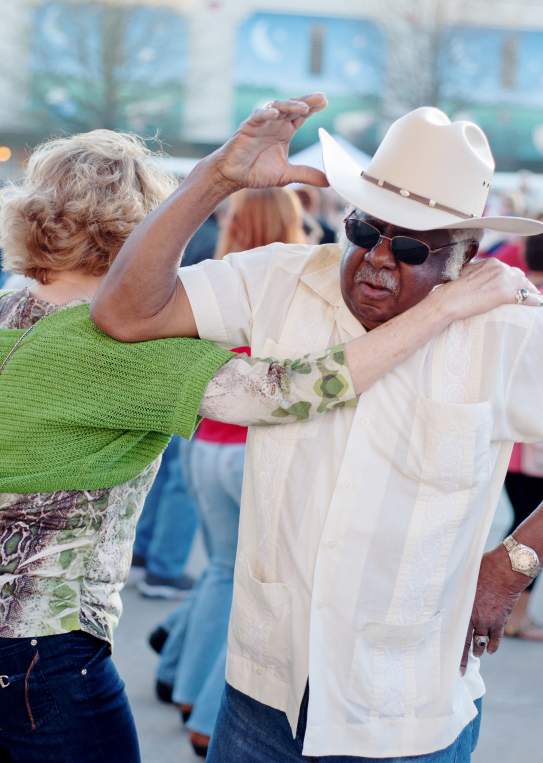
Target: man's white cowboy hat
x=427, y=173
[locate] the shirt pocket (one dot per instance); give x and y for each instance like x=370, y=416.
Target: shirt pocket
x=260, y=621
x=442, y=447
x=396, y=669
x=295, y=430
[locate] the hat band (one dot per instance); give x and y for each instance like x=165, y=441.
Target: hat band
x=414, y=196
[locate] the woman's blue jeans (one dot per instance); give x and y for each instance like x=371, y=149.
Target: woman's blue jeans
x=168, y=521
x=249, y=732
x=62, y=701
x=194, y=656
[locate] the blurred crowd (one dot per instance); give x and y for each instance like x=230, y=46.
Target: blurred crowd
x=198, y=487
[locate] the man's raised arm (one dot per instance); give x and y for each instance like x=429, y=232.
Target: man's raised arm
x=141, y=297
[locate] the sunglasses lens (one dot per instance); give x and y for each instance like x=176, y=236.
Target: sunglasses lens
x=361, y=234
x=409, y=250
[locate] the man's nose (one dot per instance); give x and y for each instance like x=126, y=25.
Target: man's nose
x=381, y=255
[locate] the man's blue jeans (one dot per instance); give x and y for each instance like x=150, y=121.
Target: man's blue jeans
x=250, y=732
x=62, y=701
x=168, y=522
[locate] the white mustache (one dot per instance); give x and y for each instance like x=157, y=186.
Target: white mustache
x=382, y=279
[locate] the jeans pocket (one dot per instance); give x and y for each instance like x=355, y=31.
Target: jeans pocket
x=99, y=678
x=25, y=700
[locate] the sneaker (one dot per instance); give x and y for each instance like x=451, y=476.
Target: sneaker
x=158, y=638
x=200, y=743
x=137, y=570
x=155, y=587
x=164, y=692
x=186, y=711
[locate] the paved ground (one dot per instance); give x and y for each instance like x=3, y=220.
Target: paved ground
x=513, y=712
x=162, y=739
x=513, y=707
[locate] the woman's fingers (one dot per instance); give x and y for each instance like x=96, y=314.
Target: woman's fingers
x=511, y=284
x=534, y=300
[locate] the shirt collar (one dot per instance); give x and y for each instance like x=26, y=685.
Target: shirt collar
x=324, y=282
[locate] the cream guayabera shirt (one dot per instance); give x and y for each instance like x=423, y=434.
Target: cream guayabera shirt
x=362, y=532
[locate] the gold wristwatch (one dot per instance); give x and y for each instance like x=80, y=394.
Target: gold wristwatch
x=523, y=558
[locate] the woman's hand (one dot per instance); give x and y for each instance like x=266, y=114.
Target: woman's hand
x=483, y=286
x=256, y=156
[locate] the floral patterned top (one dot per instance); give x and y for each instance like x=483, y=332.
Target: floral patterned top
x=65, y=556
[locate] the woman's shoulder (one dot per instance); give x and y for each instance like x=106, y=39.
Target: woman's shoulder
x=20, y=309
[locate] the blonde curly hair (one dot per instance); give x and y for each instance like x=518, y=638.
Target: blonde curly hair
x=79, y=200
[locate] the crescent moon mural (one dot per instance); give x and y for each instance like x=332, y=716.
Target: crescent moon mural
x=52, y=29
x=262, y=43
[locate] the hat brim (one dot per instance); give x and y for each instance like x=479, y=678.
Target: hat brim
x=344, y=176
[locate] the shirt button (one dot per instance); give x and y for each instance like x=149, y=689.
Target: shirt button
x=259, y=671
x=84, y=672
x=34, y=642
x=330, y=543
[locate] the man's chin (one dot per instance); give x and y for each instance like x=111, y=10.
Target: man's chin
x=371, y=316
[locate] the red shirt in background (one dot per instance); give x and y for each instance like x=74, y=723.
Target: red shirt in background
x=223, y=434
x=509, y=252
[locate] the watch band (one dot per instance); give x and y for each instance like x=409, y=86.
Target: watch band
x=510, y=543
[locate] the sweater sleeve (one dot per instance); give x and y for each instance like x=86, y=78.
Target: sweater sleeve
x=250, y=390
x=73, y=375
x=156, y=386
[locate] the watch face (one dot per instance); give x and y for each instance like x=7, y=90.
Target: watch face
x=525, y=560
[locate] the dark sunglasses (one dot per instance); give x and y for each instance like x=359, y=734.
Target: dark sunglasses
x=405, y=249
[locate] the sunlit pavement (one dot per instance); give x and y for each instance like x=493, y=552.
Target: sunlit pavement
x=513, y=710
x=512, y=729
x=162, y=738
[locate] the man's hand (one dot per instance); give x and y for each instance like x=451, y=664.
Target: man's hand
x=256, y=156
x=498, y=589
x=141, y=297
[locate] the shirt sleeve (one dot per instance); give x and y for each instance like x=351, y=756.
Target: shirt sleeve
x=225, y=294
x=250, y=391
x=524, y=402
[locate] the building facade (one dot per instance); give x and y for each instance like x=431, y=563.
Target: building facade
x=191, y=70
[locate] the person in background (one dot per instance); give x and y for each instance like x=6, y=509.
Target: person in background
x=168, y=522
x=165, y=531
x=202, y=244
x=311, y=200
x=506, y=248
x=193, y=660
x=265, y=215
x=524, y=480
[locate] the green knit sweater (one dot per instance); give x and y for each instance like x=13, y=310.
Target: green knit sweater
x=135, y=397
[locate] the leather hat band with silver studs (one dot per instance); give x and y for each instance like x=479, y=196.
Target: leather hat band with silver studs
x=414, y=196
